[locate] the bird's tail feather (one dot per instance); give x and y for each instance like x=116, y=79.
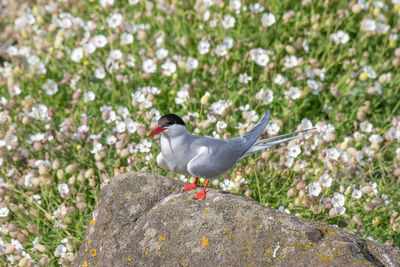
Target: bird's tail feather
x=265, y=143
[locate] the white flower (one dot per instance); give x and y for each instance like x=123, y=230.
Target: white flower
x=63, y=189
x=144, y=146
x=382, y=28
x=221, y=50
x=315, y=86
x=133, y=2
x=314, y=189
x=114, y=20
x=368, y=25
x=256, y=8
x=131, y=126
x=228, y=42
x=332, y=154
x=115, y=55
x=182, y=96
x=100, y=73
x=126, y=38
x=168, y=68
x=283, y=209
x=221, y=125
x=50, y=87
x=226, y=185
x=12, y=50
x=279, y=79
x=130, y=61
x=268, y=19
x=203, y=47
x=356, y=194
x=293, y=93
x=338, y=200
x=99, y=40
x=60, y=251
x=97, y=147
x=4, y=212
x=375, y=138
x=259, y=56
x=288, y=162
x=294, y=151
x=77, y=54
x=89, y=48
x=340, y=210
x=325, y=180
x=290, y=61
x=105, y=3
x=340, y=37
x=220, y=106
x=273, y=128
x=370, y=72
x=39, y=112
x=244, y=78
x=191, y=63
x=161, y=53
x=366, y=126
x=228, y=22
x=88, y=96
x=149, y=66
x=111, y=139
x=235, y=5
x=266, y=95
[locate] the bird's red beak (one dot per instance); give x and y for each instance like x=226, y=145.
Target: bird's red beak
x=157, y=130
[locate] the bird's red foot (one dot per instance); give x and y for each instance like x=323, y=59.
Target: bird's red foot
x=191, y=186
x=200, y=195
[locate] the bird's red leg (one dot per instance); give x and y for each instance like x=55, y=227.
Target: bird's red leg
x=191, y=186
x=202, y=194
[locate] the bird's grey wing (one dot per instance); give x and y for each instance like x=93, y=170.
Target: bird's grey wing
x=212, y=161
x=247, y=140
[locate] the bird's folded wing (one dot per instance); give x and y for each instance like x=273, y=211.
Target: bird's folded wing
x=211, y=162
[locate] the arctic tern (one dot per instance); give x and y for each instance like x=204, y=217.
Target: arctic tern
x=199, y=156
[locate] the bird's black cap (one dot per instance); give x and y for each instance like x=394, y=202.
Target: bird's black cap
x=169, y=119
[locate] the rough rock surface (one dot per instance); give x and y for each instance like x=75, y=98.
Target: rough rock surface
x=145, y=219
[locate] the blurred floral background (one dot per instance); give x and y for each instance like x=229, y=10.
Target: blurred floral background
x=83, y=82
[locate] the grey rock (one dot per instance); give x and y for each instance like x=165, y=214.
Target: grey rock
x=145, y=219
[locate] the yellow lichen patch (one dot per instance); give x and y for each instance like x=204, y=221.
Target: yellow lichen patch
x=204, y=242
x=226, y=230
x=325, y=258
x=92, y=222
x=93, y=252
x=266, y=253
x=205, y=212
x=327, y=231
x=308, y=245
x=161, y=238
x=85, y=264
x=89, y=241
x=128, y=258
x=146, y=253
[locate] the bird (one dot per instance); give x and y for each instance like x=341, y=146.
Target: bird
x=206, y=157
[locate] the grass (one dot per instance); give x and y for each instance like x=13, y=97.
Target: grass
x=350, y=95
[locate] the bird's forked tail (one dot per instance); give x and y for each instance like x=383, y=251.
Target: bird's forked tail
x=266, y=143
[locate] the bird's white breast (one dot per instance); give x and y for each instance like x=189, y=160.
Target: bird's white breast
x=176, y=153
